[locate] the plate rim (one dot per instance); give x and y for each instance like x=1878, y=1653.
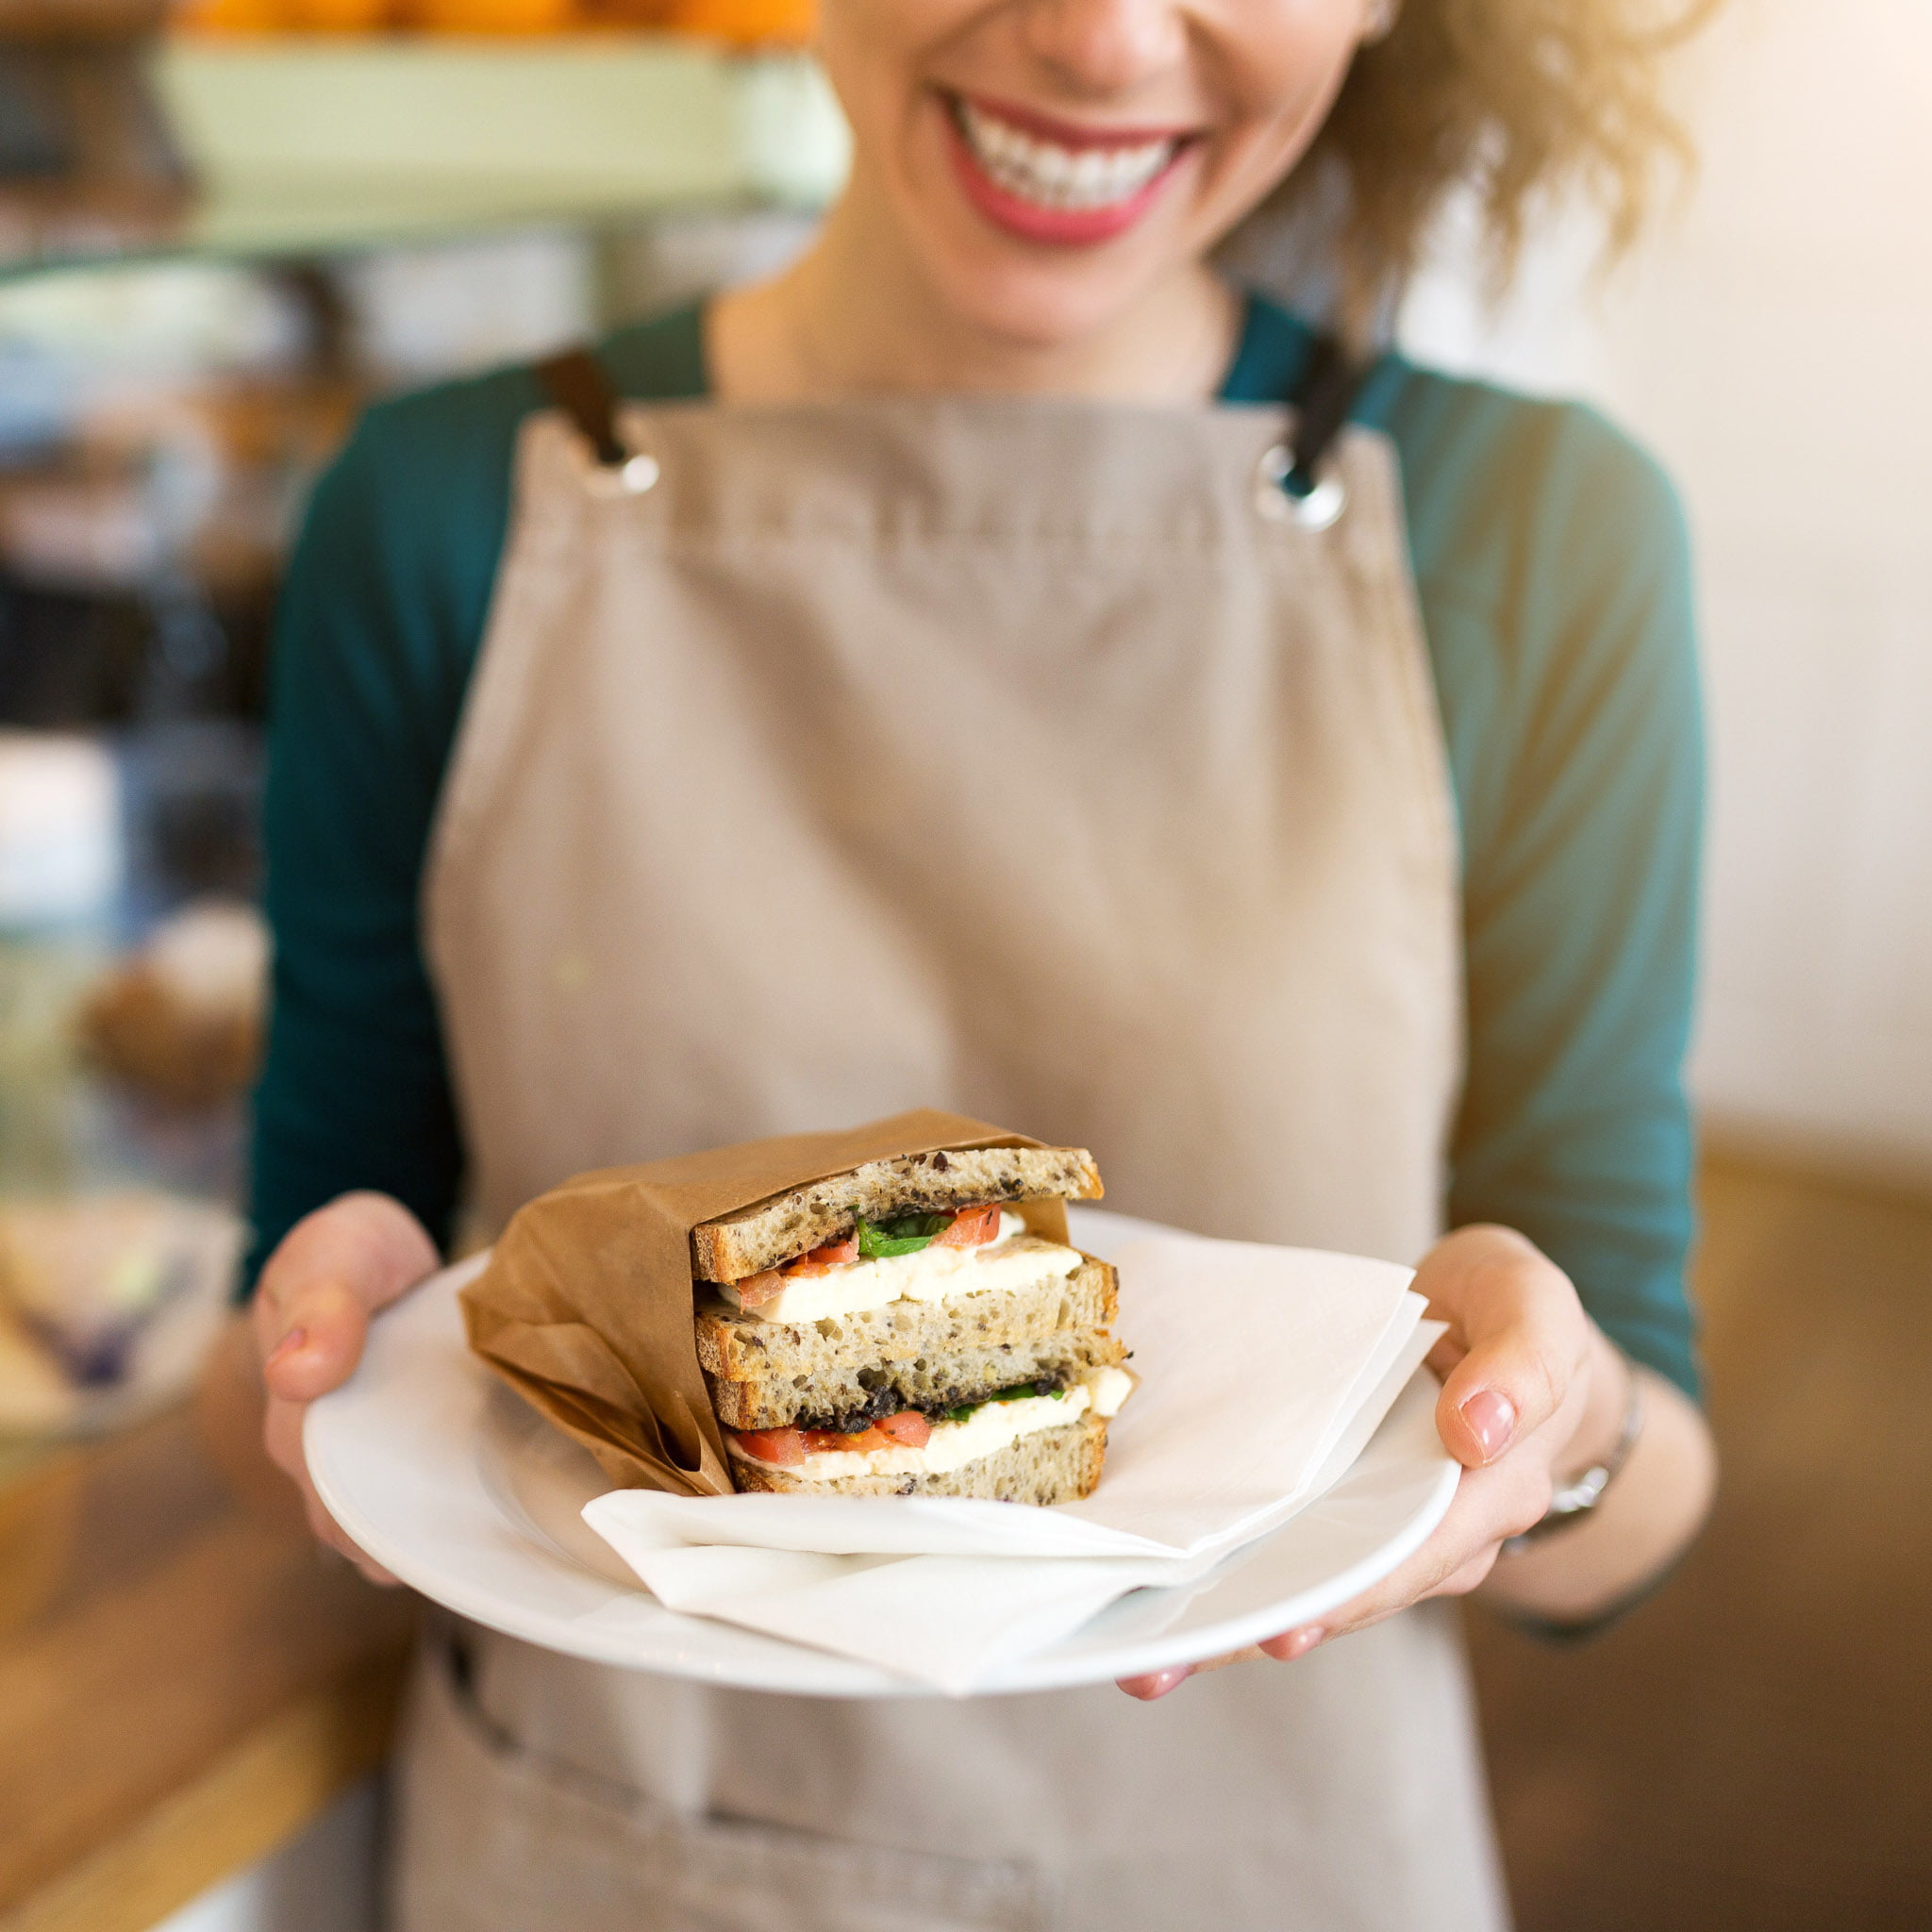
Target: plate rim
x=728, y=1656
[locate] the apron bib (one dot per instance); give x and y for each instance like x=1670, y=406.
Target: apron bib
x=1007, y=756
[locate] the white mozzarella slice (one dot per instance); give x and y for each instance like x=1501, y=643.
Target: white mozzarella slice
x=935, y=1274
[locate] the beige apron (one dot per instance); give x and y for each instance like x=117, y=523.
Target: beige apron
x=1006, y=757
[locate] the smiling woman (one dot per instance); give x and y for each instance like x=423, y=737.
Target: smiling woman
x=1049, y=176
x=922, y=679
x=1156, y=130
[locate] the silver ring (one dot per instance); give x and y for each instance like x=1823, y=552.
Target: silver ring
x=1318, y=509
x=631, y=477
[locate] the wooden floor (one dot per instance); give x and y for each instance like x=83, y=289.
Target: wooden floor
x=1753, y=1748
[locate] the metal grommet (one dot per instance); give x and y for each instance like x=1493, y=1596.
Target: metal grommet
x=631, y=477
x=1278, y=498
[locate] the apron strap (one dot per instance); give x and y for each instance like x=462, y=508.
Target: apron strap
x=575, y=383
x=1328, y=391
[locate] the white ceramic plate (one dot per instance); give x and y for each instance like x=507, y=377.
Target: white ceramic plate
x=445, y=1477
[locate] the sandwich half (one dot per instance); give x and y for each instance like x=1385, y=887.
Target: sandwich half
x=899, y=1331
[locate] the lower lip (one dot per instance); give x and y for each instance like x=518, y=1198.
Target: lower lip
x=1063, y=227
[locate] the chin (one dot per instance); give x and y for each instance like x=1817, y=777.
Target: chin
x=1036, y=305
x=1033, y=293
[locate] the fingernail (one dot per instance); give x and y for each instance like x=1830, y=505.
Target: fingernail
x=1492, y=1419
x=1296, y=1643
x=294, y=1340
x=1158, y=1683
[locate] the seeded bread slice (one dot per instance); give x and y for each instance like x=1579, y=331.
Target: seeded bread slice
x=849, y=1398
x=1059, y=1465
x=792, y=1224
x=740, y=1348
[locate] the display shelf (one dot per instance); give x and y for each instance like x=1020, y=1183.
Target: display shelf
x=317, y=145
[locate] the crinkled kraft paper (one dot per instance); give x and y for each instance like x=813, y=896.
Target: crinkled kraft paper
x=585, y=1307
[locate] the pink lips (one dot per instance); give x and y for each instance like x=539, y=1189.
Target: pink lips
x=1061, y=226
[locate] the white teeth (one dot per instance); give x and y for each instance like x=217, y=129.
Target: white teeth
x=1055, y=176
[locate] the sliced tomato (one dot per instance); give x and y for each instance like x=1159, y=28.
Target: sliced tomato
x=909, y=1429
x=823, y=1261
x=972, y=1228
x=755, y=1290
x=860, y=1442
x=781, y=1447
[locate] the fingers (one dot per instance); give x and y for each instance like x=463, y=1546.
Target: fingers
x=1155, y=1684
x=1294, y=1644
x=281, y=1433
x=1452, y=1563
x=311, y=1315
x=368, y=1243
x=1518, y=1339
x=328, y=1532
x=1515, y=1378
x=1489, y=1505
x=329, y=1274
x=319, y=1331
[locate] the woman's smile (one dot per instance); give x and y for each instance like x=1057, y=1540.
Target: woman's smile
x=1037, y=182
x=1052, y=181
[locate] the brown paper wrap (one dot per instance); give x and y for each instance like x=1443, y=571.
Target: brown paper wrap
x=586, y=1307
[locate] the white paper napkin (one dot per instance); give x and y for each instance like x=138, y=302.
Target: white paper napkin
x=1264, y=1372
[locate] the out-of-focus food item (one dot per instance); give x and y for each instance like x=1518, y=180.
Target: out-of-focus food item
x=736, y=22
x=182, y=1021
x=86, y=1278
x=340, y=16
x=231, y=17
x=109, y=1304
x=746, y=22
x=492, y=16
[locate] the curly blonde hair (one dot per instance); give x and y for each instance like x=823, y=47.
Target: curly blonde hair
x=1516, y=100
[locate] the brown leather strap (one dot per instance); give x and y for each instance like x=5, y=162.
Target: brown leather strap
x=575, y=382
x=1328, y=391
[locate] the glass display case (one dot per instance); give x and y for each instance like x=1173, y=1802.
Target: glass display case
x=283, y=146
x=212, y=251
x=320, y=216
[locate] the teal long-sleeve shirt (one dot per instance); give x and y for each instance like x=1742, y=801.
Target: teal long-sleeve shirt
x=1551, y=565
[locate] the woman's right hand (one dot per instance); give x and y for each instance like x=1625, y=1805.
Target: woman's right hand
x=331, y=1273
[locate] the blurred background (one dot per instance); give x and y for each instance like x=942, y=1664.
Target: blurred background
x=221, y=232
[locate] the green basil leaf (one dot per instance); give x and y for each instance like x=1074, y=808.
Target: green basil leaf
x=907, y=1226
x=904, y=1236
x=1018, y=1392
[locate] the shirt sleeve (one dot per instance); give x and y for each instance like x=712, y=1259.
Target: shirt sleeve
x=379, y=622
x=1571, y=705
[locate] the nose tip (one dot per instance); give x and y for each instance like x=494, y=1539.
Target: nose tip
x=1104, y=46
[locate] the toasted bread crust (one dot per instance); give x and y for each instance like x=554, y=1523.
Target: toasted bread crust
x=1059, y=1465
x=792, y=1224
x=849, y=1399
x=736, y=1347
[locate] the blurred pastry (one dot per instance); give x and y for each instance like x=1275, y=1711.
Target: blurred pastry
x=85, y=1278
x=182, y=1020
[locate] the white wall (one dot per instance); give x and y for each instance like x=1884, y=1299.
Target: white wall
x=1773, y=345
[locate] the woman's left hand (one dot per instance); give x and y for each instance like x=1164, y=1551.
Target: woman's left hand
x=1526, y=1375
